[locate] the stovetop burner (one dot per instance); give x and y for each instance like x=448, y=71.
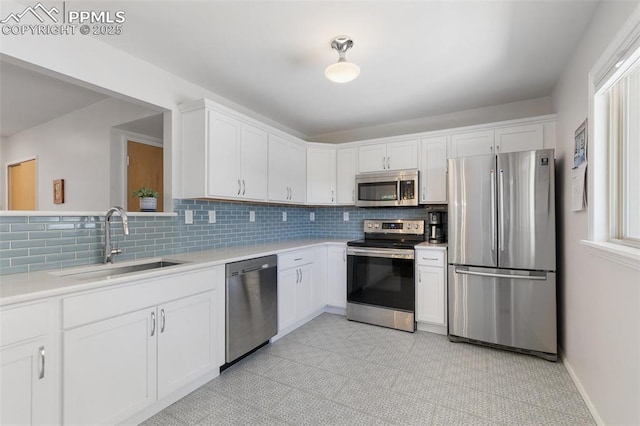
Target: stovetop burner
x=402, y=244
x=397, y=233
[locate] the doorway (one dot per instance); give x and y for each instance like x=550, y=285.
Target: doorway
x=22, y=185
x=144, y=169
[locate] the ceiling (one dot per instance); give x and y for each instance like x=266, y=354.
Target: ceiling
x=28, y=98
x=417, y=59
x=148, y=126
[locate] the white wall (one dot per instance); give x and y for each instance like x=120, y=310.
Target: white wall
x=510, y=111
x=75, y=147
x=599, y=298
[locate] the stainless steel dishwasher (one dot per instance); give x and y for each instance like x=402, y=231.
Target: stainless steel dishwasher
x=252, y=305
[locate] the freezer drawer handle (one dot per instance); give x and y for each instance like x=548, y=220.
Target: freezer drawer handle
x=514, y=277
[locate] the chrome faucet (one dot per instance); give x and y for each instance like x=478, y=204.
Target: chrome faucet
x=110, y=251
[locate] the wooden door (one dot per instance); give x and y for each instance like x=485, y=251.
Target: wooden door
x=144, y=170
x=22, y=186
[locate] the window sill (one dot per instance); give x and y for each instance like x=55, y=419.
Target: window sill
x=624, y=255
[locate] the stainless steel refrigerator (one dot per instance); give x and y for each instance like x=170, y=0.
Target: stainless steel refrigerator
x=502, y=251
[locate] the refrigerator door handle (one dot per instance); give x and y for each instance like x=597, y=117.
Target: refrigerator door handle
x=493, y=210
x=489, y=274
x=501, y=201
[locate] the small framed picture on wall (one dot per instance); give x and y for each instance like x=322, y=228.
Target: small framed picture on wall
x=58, y=191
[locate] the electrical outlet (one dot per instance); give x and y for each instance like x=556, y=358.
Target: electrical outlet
x=188, y=217
x=284, y=216
x=252, y=216
x=312, y=216
x=345, y=216
x=212, y=216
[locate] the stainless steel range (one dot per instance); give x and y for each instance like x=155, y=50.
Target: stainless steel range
x=380, y=273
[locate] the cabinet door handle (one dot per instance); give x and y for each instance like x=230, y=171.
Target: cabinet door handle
x=388, y=163
x=41, y=352
x=297, y=276
x=332, y=195
x=419, y=276
x=344, y=255
x=162, y=320
x=153, y=323
x=244, y=187
x=238, y=186
x=429, y=258
x=353, y=195
x=300, y=275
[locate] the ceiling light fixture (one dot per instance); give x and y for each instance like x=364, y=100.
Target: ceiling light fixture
x=342, y=71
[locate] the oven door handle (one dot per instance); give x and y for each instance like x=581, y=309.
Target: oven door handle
x=381, y=252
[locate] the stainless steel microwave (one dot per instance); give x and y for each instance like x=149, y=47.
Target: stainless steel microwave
x=387, y=189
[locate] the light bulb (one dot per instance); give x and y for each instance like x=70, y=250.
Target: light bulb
x=342, y=71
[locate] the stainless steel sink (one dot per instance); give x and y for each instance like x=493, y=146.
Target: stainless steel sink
x=111, y=271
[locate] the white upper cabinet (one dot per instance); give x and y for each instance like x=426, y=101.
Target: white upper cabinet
x=519, y=138
x=287, y=171
x=321, y=175
x=347, y=164
x=471, y=143
x=223, y=156
x=253, y=156
x=433, y=170
x=525, y=137
x=389, y=156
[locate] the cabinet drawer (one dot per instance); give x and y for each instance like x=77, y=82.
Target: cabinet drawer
x=295, y=258
x=23, y=323
x=430, y=258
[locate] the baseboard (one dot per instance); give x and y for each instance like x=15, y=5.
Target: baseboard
x=163, y=403
x=335, y=310
x=297, y=324
x=583, y=392
x=432, y=328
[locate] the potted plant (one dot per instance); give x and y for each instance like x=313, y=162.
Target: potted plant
x=148, y=199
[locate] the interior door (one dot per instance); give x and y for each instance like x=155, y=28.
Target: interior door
x=526, y=206
x=144, y=170
x=22, y=186
x=472, y=211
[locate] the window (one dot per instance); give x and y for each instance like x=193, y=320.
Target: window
x=614, y=151
x=624, y=141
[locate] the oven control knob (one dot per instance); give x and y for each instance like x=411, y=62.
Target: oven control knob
x=377, y=226
x=370, y=225
x=409, y=226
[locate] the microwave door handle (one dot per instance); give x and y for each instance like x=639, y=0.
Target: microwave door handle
x=398, y=196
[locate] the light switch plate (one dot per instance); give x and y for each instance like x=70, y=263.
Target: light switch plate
x=284, y=216
x=345, y=216
x=252, y=216
x=188, y=217
x=312, y=216
x=212, y=216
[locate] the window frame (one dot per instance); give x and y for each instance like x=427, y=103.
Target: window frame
x=619, y=57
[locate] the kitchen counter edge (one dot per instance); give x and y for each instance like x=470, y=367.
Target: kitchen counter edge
x=19, y=288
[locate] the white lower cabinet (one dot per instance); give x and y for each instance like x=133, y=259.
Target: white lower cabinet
x=295, y=294
x=431, y=280
x=302, y=286
x=117, y=364
x=109, y=369
x=27, y=366
x=337, y=276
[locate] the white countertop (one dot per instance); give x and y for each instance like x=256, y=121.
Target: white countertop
x=428, y=245
x=37, y=285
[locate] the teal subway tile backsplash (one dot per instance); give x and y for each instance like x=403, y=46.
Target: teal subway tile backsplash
x=30, y=243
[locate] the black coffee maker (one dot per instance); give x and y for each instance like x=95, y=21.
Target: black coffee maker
x=436, y=223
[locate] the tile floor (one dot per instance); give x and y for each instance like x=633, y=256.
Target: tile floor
x=335, y=372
